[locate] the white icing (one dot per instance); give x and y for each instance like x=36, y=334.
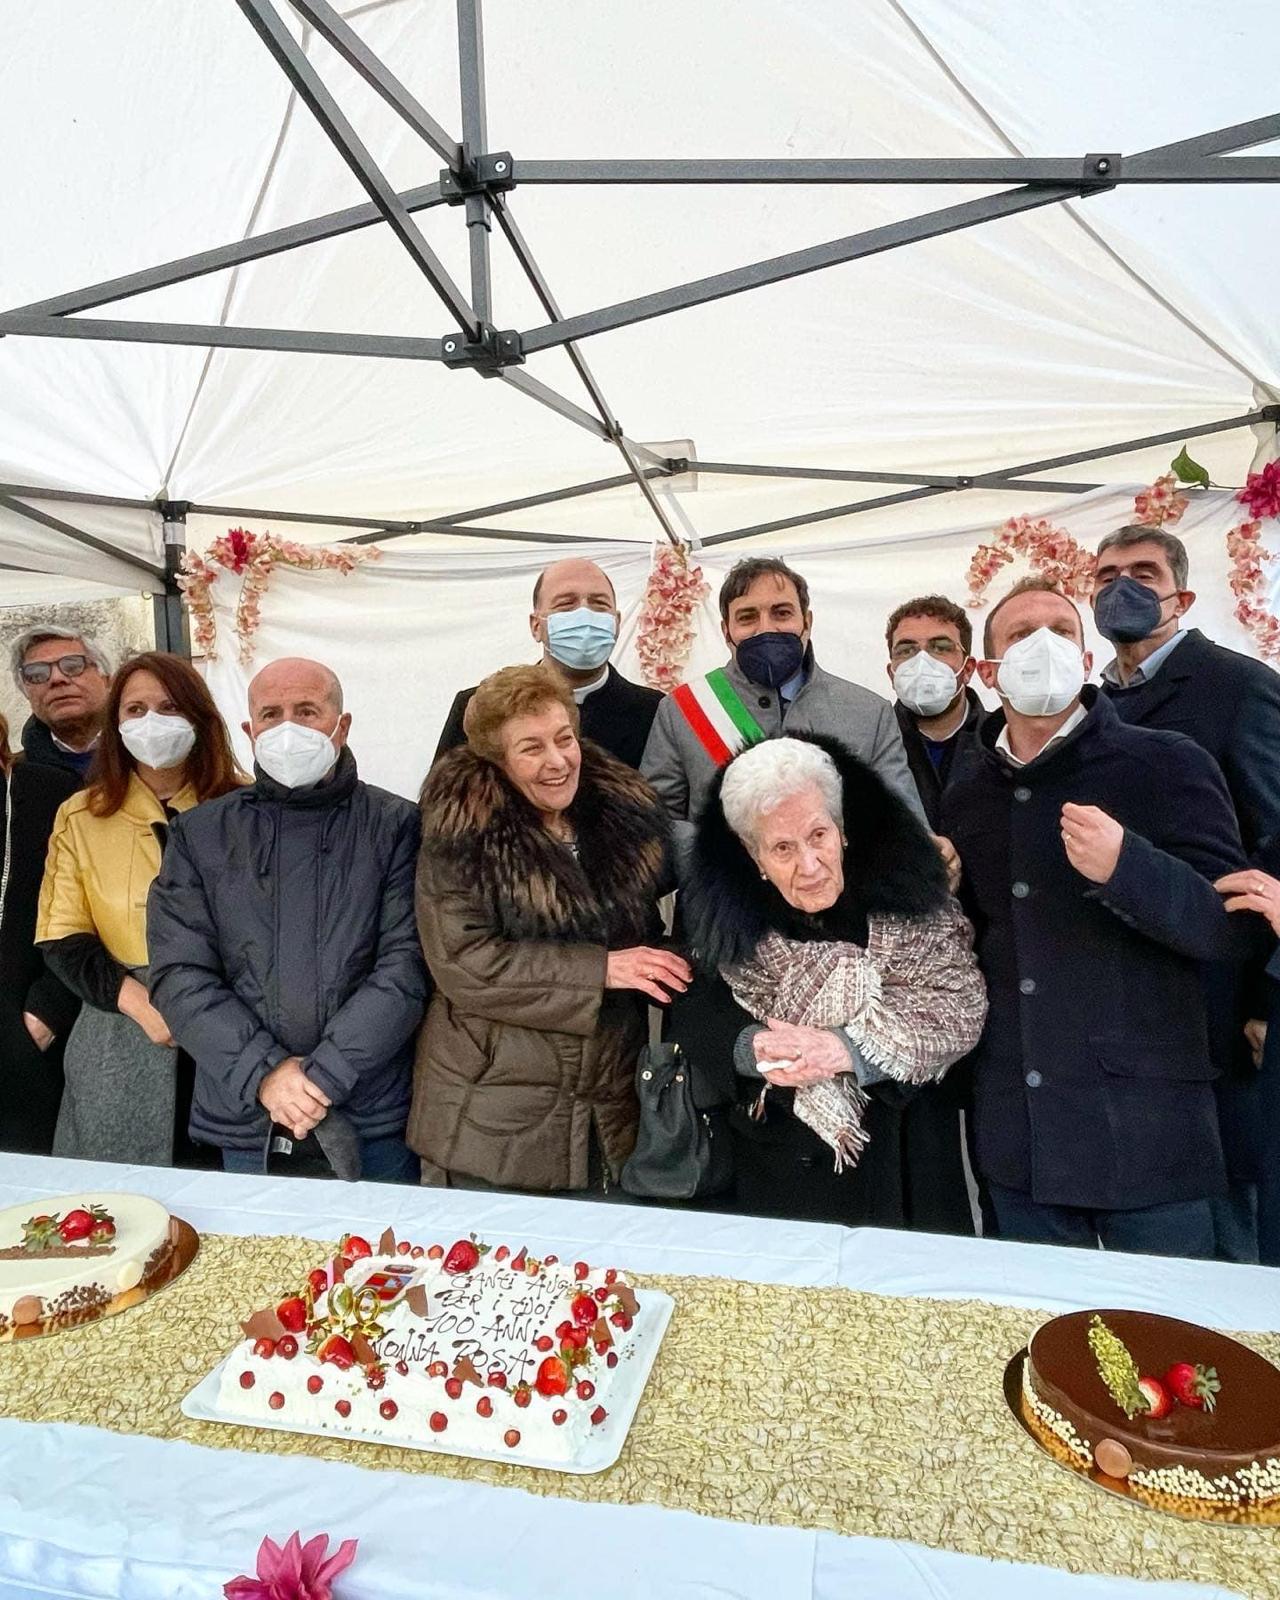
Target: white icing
x=492, y=1316
x=142, y=1226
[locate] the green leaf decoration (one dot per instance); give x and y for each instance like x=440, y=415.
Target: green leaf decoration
x=1116, y=1367
x=1188, y=471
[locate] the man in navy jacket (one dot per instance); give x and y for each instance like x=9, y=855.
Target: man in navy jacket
x=1090, y=850
x=284, y=950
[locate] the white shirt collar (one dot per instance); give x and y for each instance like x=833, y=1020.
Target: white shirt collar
x=1069, y=726
x=70, y=749
x=1145, y=670
x=581, y=693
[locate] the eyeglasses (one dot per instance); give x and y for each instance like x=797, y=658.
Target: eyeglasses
x=41, y=671
x=906, y=648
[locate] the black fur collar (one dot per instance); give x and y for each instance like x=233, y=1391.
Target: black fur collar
x=532, y=886
x=891, y=866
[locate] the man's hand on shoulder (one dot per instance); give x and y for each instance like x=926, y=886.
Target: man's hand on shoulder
x=292, y=1099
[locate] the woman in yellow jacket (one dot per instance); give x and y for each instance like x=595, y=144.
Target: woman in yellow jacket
x=163, y=749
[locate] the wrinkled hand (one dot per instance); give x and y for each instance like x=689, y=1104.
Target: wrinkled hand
x=1252, y=890
x=42, y=1036
x=950, y=860
x=134, y=1002
x=292, y=1099
x=1255, y=1032
x=1093, y=841
x=811, y=1054
x=646, y=969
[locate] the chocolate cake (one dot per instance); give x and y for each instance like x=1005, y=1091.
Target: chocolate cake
x=1223, y=1454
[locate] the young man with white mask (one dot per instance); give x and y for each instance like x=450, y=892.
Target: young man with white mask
x=284, y=951
x=930, y=666
x=1090, y=850
x=575, y=619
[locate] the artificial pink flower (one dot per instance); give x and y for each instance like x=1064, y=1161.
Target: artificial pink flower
x=295, y=1572
x=1261, y=492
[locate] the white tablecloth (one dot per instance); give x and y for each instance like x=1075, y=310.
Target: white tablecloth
x=88, y=1513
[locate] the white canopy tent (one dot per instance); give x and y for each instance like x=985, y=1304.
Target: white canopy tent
x=152, y=129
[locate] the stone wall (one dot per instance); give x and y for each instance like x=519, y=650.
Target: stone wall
x=120, y=626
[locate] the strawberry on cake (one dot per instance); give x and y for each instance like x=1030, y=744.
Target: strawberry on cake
x=466, y=1349
x=66, y=1263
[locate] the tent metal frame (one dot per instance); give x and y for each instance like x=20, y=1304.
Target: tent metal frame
x=480, y=181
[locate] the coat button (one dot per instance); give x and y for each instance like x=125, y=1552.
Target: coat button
x=1027, y=985
x=1022, y=792
x=1034, y=1080
x=1021, y=890
x=764, y=700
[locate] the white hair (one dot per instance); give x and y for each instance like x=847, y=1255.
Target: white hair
x=762, y=777
x=50, y=630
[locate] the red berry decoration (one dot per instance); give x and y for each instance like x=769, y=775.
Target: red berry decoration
x=464, y=1256
x=246, y=1380
x=265, y=1348
x=501, y=1253
x=584, y=1310
x=403, y=1248
x=563, y=1330
x=453, y=1388
x=601, y=1295
x=318, y=1278
x=375, y=1377
x=553, y=1377
x=342, y=1407
x=337, y=1350
x=549, y=1261
x=77, y=1224
x=559, y=1418
x=511, y=1438
x=517, y=1261
x=103, y=1229
x=388, y=1409
x=585, y=1389
x=1159, y=1400
x=438, y=1422
x=484, y=1406
x=621, y=1320
x=438, y=1369
x=276, y=1401
x=353, y=1247
x=580, y=1270
x=286, y=1347
x=611, y=1276
x=598, y=1416
x=293, y=1313
x=612, y=1358
x=522, y=1394
x=497, y=1379
x=402, y=1367
x=315, y=1383
x=576, y=1338
x=544, y=1342
x=1193, y=1386
x=435, y=1252
x=417, y=1253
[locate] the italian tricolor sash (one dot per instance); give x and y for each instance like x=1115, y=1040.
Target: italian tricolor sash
x=715, y=712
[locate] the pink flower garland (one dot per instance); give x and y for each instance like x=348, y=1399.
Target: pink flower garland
x=1261, y=494
x=252, y=557
x=1051, y=550
x=667, y=629
x=1159, y=504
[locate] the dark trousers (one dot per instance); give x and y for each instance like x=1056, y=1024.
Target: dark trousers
x=1180, y=1228
x=385, y=1160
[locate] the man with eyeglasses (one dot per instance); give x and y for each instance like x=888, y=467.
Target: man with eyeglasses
x=65, y=678
x=930, y=665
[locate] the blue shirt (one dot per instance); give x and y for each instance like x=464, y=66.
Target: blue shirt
x=1147, y=669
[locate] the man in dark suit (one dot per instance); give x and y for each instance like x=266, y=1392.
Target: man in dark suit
x=1165, y=676
x=1090, y=850
x=575, y=620
x=930, y=641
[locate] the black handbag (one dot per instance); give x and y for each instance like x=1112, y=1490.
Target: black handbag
x=681, y=1153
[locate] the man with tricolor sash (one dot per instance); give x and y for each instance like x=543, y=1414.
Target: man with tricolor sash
x=770, y=683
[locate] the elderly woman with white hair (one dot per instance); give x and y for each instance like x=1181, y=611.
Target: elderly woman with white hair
x=824, y=904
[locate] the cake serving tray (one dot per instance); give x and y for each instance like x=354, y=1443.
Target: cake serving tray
x=184, y=1242
x=599, y=1450
x=1236, y=1517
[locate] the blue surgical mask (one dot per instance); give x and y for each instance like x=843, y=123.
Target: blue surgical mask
x=771, y=659
x=583, y=639
x=1126, y=611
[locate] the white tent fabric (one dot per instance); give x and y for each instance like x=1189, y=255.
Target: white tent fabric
x=151, y=128
x=408, y=631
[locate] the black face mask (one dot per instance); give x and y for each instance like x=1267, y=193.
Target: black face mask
x=771, y=659
x=1126, y=611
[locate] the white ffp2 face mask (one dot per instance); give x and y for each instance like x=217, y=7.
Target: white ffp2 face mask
x=295, y=755
x=157, y=740
x=924, y=684
x=1042, y=674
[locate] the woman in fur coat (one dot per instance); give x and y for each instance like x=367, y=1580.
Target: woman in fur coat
x=542, y=863
x=824, y=905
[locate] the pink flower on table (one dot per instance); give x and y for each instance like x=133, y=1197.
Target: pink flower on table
x=1261, y=492
x=294, y=1571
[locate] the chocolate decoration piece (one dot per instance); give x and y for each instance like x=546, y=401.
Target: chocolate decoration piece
x=29, y=1308
x=415, y=1298
x=626, y=1298
x=363, y=1351
x=263, y=1325
x=600, y=1332
x=1112, y=1458
x=466, y=1370
x=387, y=1243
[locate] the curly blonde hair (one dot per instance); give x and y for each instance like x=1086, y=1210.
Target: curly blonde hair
x=513, y=692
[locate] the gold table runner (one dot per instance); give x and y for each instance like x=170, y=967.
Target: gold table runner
x=818, y=1408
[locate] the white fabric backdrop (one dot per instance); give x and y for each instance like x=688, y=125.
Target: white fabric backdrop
x=142, y=1519
x=407, y=632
